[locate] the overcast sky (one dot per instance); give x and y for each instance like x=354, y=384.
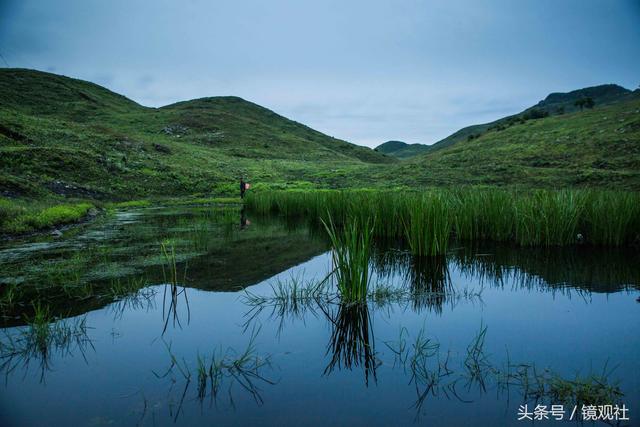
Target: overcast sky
x=365, y=71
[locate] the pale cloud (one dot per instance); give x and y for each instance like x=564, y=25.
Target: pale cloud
x=364, y=71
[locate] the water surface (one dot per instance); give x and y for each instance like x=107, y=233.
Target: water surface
x=442, y=345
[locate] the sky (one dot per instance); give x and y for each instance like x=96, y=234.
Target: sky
x=364, y=71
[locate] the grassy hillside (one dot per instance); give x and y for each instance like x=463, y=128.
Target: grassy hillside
x=67, y=141
x=553, y=104
x=401, y=150
x=71, y=138
x=593, y=148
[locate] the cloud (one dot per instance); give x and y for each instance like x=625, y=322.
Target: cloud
x=364, y=71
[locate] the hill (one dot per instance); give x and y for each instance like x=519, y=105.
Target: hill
x=597, y=147
x=553, y=104
x=400, y=149
x=72, y=138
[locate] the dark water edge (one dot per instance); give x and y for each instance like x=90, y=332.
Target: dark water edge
x=311, y=361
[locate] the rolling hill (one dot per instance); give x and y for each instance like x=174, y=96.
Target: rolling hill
x=400, y=149
x=553, y=104
x=597, y=147
x=72, y=138
x=64, y=138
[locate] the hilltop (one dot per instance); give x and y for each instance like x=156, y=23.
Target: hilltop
x=68, y=137
x=597, y=147
x=64, y=138
x=400, y=149
x=553, y=105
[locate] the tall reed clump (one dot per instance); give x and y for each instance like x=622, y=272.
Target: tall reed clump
x=428, y=226
x=549, y=218
x=612, y=218
x=425, y=221
x=351, y=247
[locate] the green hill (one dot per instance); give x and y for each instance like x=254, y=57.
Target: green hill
x=400, y=149
x=553, y=104
x=597, y=147
x=62, y=136
x=66, y=138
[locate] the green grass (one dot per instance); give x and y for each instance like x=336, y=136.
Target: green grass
x=351, y=246
x=62, y=137
x=69, y=137
x=428, y=220
x=428, y=226
x=24, y=217
x=595, y=148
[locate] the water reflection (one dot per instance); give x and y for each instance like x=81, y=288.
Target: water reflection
x=324, y=341
x=40, y=342
x=352, y=343
x=582, y=268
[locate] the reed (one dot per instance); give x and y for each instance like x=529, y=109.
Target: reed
x=428, y=226
x=351, y=247
x=428, y=219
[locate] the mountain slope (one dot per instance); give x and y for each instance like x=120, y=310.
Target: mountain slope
x=553, y=104
x=74, y=138
x=592, y=148
x=400, y=149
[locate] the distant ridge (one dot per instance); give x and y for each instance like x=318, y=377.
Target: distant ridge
x=556, y=103
x=401, y=149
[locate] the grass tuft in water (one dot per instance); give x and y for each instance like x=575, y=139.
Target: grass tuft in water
x=351, y=247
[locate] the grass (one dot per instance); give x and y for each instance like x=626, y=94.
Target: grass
x=243, y=368
x=351, y=255
x=40, y=339
x=433, y=373
x=594, y=148
x=428, y=226
x=170, y=273
x=23, y=217
x=65, y=138
x=68, y=137
x=428, y=220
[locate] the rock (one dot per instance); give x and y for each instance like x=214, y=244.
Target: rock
x=162, y=148
x=56, y=233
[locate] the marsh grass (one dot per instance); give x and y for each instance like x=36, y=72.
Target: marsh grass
x=25, y=217
x=433, y=372
x=427, y=220
x=289, y=299
x=350, y=254
x=43, y=337
x=172, y=287
x=9, y=297
x=243, y=369
x=428, y=227
x=536, y=385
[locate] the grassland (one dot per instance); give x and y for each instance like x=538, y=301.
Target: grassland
x=18, y=217
x=66, y=142
x=70, y=138
x=594, y=148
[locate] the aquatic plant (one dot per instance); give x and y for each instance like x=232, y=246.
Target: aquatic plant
x=244, y=368
x=427, y=220
x=40, y=339
x=428, y=226
x=170, y=268
x=350, y=254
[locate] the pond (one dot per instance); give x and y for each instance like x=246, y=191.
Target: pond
x=197, y=315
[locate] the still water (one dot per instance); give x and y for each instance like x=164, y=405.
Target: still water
x=462, y=340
